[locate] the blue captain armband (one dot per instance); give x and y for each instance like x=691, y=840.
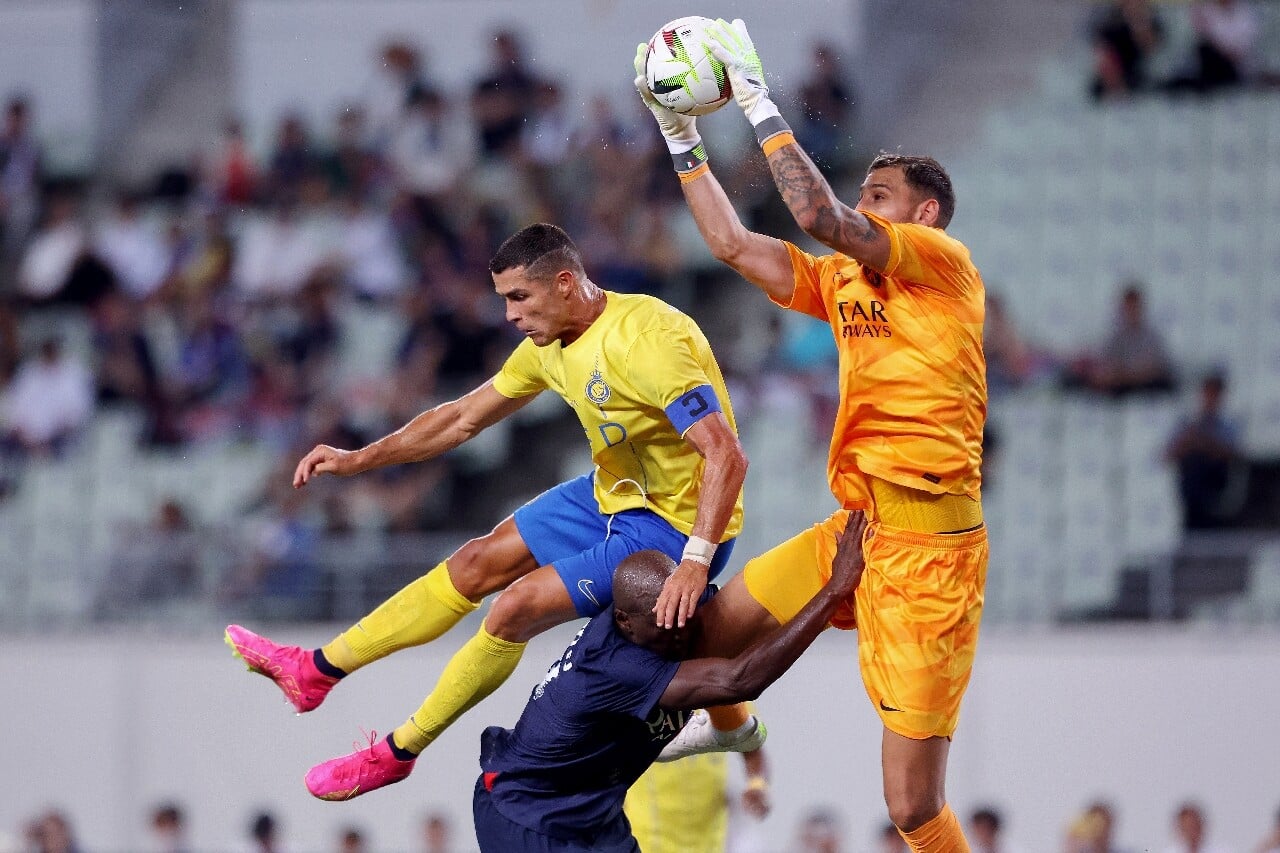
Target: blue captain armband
x=692, y=406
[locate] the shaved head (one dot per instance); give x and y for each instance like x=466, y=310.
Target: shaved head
x=638, y=580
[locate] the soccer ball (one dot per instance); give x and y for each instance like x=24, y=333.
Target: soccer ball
x=682, y=73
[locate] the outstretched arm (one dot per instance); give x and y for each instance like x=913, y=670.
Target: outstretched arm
x=723, y=473
x=761, y=260
x=804, y=190
x=430, y=434
x=719, y=681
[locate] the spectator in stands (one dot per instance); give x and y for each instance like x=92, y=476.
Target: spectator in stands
x=1124, y=35
x=169, y=829
x=53, y=251
x=1011, y=361
x=1226, y=34
x=264, y=834
x=1271, y=843
x=1093, y=831
x=280, y=578
x=133, y=248
x=437, y=832
x=230, y=173
x=398, y=80
x=351, y=165
x=547, y=139
x=52, y=833
x=819, y=832
x=427, y=160
x=277, y=253
x=1134, y=359
x=501, y=99
x=49, y=401
x=826, y=109
x=1206, y=450
x=351, y=840
x=20, y=172
x=212, y=367
x=126, y=369
x=155, y=562
x=292, y=161
x=985, y=834
x=1189, y=829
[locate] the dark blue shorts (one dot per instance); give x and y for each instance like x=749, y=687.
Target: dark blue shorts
x=497, y=834
x=564, y=527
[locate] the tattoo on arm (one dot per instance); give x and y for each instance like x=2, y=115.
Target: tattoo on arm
x=809, y=198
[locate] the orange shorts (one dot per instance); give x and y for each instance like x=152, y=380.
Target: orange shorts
x=916, y=609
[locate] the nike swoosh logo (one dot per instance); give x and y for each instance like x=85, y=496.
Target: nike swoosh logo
x=884, y=707
x=584, y=587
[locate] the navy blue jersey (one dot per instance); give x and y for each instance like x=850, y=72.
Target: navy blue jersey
x=590, y=728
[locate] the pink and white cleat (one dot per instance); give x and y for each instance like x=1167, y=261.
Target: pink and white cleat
x=290, y=667
x=367, y=769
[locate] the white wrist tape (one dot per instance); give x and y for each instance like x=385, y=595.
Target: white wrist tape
x=699, y=550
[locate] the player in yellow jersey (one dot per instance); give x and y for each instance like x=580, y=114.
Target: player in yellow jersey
x=905, y=304
x=668, y=476
x=683, y=807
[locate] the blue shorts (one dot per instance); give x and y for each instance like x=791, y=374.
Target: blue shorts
x=498, y=834
x=564, y=527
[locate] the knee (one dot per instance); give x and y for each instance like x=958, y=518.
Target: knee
x=911, y=809
x=512, y=616
x=473, y=571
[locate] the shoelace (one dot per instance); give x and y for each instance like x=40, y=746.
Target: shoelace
x=372, y=737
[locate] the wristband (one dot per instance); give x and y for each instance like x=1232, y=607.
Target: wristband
x=757, y=783
x=771, y=127
x=687, y=161
x=694, y=173
x=773, y=143
x=699, y=550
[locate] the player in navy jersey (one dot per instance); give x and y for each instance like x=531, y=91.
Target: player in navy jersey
x=619, y=693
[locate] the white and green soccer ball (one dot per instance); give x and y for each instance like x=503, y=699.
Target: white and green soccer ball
x=682, y=73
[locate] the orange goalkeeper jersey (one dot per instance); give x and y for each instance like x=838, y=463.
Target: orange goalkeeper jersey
x=913, y=391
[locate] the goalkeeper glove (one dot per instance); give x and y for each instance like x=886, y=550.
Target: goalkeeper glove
x=732, y=45
x=679, y=131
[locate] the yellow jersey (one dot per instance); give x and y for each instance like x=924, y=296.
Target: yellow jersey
x=913, y=392
x=638, y=378
x=681, y=807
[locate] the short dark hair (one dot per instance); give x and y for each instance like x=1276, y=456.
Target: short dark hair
x=926, y=176
x=541, y=249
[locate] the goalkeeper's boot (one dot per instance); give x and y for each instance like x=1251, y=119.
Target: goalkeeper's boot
x=367, y=769
x=699, y=736
x=293, y=669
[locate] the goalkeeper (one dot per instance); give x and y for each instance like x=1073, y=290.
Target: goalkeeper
x=905, y=304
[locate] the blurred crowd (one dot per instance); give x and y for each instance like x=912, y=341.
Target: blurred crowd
x=822, y=830
x=215, y=299
x=168, y=831
x=1221, y=55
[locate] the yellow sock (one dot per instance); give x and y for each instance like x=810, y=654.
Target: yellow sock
x=940, y=835
x=726, y=718
x=474, y=672
x=417, y=614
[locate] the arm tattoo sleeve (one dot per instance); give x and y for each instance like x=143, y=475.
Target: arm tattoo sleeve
x=814, y=206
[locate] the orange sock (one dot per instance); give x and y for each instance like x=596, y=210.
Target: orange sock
x=726, y=718
x=940, y=835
